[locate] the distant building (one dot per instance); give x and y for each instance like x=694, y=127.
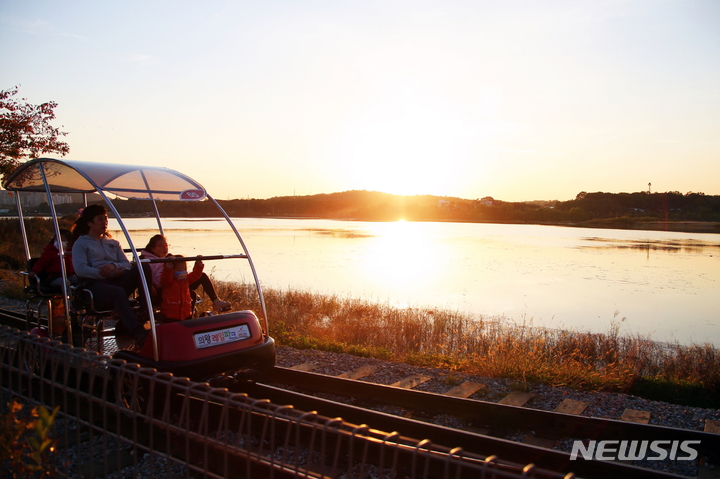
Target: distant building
x=443, y=204
x=487, y=201
x=32, y=199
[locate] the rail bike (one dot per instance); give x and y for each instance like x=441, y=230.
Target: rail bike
x=222, y=349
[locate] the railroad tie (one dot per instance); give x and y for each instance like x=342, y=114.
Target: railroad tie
x=712, y=426
x=567, y=406
x=360, y=372
x=516, y=398
x=304, y=367
x=465, y=390
x=635, y=415
x=571, y=406
x=411, y=381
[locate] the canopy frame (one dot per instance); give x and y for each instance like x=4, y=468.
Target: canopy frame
x=99, y=178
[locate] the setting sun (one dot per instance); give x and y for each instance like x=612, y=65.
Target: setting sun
x=406, y=148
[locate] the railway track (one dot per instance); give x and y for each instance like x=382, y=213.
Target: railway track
x=14, y=319
x=295, y=387
x=193, y=429
x=491, y=419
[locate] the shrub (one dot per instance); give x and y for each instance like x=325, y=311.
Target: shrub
x=25, y=443
x=490, y=347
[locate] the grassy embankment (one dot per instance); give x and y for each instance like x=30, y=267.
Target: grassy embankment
x=490, y=347
x=476, y=345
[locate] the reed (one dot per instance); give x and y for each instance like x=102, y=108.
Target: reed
x=478, y=345
x=492, y=347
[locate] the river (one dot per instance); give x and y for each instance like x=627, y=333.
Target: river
x=663, y=285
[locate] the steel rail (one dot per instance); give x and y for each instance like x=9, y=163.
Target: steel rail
x=184, y=419
x=13, y=319
x=494, y=415
x=511, y=451
x=144, y=430
x=482, y=445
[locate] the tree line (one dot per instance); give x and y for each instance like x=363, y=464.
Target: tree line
x=597, y=208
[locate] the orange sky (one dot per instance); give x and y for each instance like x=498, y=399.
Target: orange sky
x=517, y=100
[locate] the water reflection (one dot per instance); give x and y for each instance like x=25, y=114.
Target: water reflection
x=554, y=277
x=686, y=246
x=399, y=257
x=337, y=233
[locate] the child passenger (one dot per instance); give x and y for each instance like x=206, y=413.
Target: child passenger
x=48, y=268
x=177, y=303
x=158, y=247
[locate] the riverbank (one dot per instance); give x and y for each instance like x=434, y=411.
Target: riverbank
x=621, y=223
x=676, y=226
x=710, y=227
x=490, y=347
x=476, y=345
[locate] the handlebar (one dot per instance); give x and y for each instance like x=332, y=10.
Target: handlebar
x=192, y=258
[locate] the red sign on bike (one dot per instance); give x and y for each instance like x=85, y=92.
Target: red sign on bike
x=192, y=195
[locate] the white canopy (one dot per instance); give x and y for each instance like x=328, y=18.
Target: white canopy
x=127, y=181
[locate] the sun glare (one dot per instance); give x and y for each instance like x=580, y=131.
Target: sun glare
x=417, y=152
x=400, y=157
x=400, y=255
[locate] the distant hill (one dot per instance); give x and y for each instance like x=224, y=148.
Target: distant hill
x=356, y=204
x=619, y=210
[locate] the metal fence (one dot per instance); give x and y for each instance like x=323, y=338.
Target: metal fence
x=118, y=420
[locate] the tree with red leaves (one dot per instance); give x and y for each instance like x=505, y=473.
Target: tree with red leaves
x=25, y=131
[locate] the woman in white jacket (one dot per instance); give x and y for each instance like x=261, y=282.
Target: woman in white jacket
x=99, y=260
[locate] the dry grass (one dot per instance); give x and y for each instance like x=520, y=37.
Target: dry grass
x=490, y=347
x=485, y=346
